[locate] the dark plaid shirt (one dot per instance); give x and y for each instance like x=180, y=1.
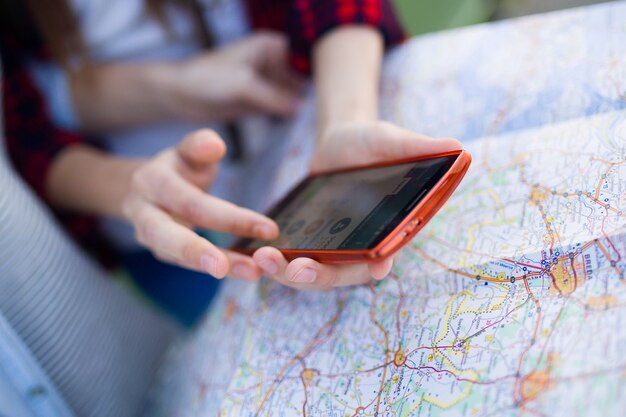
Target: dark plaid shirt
x=33, y=141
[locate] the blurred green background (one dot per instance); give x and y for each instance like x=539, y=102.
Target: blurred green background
x=421, y=16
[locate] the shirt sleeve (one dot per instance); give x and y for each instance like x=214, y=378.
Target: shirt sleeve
x=32, y=140
x=305, y=21
x=309, y=20
x=53, y=83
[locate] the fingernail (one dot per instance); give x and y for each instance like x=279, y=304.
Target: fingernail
x=209, y=264
x=305, y=276
x=263, y=231
x=268, y=265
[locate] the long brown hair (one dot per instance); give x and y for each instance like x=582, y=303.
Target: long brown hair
x=56, y=24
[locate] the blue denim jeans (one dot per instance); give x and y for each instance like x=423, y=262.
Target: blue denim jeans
x=183, y=293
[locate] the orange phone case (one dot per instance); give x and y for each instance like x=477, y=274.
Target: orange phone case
x=405, y=231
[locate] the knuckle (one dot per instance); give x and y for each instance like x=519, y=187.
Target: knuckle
x=239, y=225
x=163, y=189
x=191, y=210
x=128, y=207
x=247, y=81
x=147, y=231
x=146, y=180
x=188, y=254
x=240, y=94
x=332, y=280
x=139, y=179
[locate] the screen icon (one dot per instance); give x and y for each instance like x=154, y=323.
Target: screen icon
x=295, y=227
x=340, y=225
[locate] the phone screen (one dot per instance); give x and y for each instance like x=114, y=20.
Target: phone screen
x=352, y=210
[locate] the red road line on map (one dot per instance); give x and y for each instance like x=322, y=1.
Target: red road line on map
x=377, y=324
x=448, y=245
x=429, y=348
x=284, y=369
x=306, y=397
x=399, y=308
x=534, y=339
x=459, y=272
x=575, y=275
x=575, y=193
x=619, y=256
x=472, y=381
x=602, y=178
x=364, y=371
x=608, y=256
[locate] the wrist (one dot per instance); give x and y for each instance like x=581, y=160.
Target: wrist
x=164, y=80
x=120, y=172
x=346, y=64
x=89, y=181
x=337, y=121
x=118, y=96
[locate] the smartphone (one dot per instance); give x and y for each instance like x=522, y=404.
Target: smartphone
x=362, y=214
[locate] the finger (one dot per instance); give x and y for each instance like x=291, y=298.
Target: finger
x=241, y=266
x=406, y=142
x=267, y=96
x=200, y=178
x=157, y=231
x=289, y=79
x=305, y=273
x=273, y=61
x=166, y=258
x=270, y=260
x=201, y=148
x=379, y=270
x=393, y=142
x=177, y=196
x=273, y=264
x=325, y=276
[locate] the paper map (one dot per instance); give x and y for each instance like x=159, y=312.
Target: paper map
x=512, y=301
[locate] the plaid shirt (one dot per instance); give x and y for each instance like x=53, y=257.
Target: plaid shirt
x=33, y=142
x=305, y=21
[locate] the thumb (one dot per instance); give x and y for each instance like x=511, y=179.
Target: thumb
x=201, y=148
x=403, y=143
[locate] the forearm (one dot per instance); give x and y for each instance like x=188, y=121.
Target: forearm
x=89, y=181
x=346, y=65
x=117, y=96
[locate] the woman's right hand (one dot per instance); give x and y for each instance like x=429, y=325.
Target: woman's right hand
x=249, y=76
x=166, y=199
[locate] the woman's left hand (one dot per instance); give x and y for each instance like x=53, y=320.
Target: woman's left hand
x=345, y=145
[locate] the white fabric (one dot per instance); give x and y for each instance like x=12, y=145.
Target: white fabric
x=98, y=345
x=25, y=390
x=123, y=31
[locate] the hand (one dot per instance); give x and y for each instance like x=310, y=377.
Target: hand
x=250, y=76
x=350, y=144
x=167, y=199
x=366, y=142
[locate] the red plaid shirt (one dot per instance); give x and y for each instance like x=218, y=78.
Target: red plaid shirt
x=305, y=21
x=33, y=142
